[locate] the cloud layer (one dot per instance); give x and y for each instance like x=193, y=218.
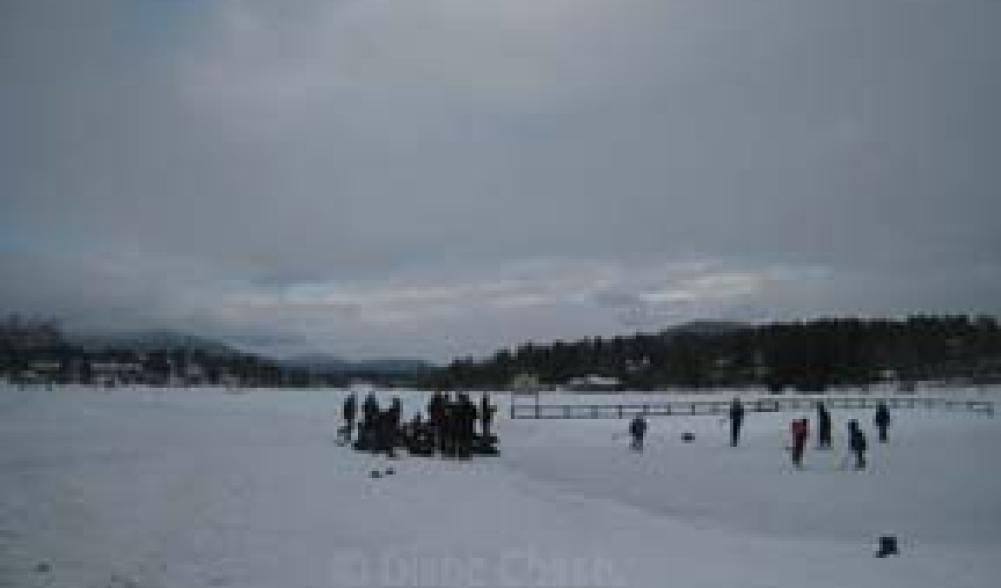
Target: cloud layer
x=378, y=177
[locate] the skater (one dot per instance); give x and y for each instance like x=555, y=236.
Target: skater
x=882, y=420
x=823, y=427
x=800, y=431
x=486, y=416
x=637, y=430
x=857, y=444
x=348, y=413
x=736, y=420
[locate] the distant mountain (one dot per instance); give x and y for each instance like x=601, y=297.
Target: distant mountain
x=148, y=340
x=331, y=365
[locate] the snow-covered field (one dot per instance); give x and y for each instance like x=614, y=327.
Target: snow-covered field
x=188, y=488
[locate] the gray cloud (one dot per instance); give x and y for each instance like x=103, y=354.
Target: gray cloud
x=442, y=177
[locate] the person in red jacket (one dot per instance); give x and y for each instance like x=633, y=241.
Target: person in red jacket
x=800, y=431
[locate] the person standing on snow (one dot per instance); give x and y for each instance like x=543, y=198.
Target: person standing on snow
x=348, y=413
x=800, y=431
x=882, y=420
x=823, y=427
x=450, y=424
x=736, y=420
x=637, y=430
x=370, y=410
x=368, y=429
x=856, y=442
x=395, y=418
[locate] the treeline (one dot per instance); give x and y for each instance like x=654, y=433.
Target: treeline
x=805, y=356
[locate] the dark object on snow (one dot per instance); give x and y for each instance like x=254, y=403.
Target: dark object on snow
x=375, y=474
x=390, y=471
x=887, y=546
x=43, y=567
x=688, y=436
x=736, y=420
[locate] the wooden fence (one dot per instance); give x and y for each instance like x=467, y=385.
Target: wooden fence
x=535, y=410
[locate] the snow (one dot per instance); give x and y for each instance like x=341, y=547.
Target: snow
x=150, y=488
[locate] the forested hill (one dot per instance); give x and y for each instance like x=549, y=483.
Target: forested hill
x=806, y=356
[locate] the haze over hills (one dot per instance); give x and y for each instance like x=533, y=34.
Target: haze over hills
x=157, y=339
x=147, y=340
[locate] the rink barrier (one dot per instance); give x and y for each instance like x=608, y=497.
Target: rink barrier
x=722, y=407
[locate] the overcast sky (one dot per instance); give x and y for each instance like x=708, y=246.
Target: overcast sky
x=433, y=178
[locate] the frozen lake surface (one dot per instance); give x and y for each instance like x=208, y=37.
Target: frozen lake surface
x=189, y=488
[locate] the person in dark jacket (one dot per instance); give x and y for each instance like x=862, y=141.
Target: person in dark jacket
x=449, y=424
x=369, y=427
x=465, y=418
x=857, y=443
x=736, y=420
x=486, y=416
x=348, y=413
x=823, y=427
x=396, y=410
x=436, y=415
x=370, y=410
x=395, y=419
x=882, y=420
x=386, y=432
x=637, y=430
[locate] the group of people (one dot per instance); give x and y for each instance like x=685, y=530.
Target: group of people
x=450, y=426
x=799, y=428
x=857, y=443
